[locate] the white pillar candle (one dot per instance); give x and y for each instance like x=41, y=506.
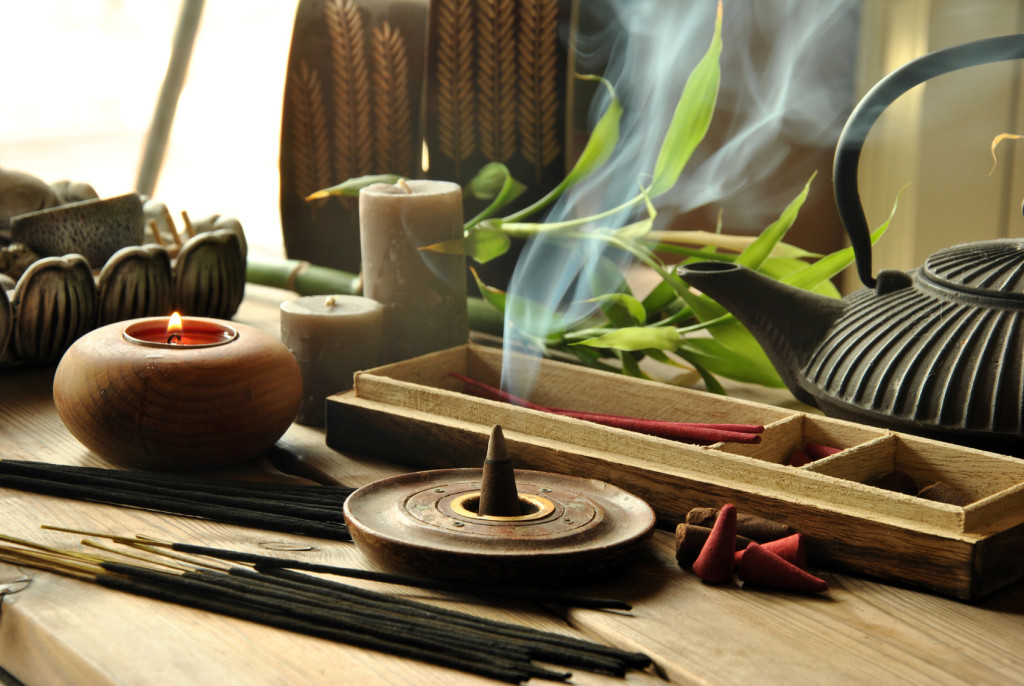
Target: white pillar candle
x=331, y=337
x=423, y=292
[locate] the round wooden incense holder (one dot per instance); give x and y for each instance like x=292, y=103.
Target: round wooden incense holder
x=439, y=523
x=216, y=394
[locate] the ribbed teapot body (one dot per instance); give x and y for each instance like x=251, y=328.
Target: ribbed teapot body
x=943, y=355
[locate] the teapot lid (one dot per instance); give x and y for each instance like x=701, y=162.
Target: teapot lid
x=988, y=268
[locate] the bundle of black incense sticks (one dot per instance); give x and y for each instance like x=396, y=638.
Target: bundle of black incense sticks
x=328, y=609
x=309, y=510
x=267, y=563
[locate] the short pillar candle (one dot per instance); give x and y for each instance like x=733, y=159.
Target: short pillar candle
x=423, y=292
x=332, y=337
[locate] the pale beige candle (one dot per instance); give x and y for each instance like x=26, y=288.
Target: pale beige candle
x=332, y=337
x=423, y=292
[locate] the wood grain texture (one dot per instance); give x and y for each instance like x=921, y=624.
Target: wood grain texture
x=851, y=525
x=58, y=631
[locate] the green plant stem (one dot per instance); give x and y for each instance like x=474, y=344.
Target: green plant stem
x=308, y=279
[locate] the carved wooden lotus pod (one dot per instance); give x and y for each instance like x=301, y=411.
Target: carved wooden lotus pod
x=54, y=303
x=209, y=275
x=135, y=282
x=6, y=321
x=95, y=228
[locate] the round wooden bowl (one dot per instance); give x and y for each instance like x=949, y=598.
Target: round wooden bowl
x=161, y=406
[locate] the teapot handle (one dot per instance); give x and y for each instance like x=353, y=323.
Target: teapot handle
x=867, y=111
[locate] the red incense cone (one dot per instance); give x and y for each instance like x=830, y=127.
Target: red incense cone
x=716, y=563
x=791, y=549
x=761, y=567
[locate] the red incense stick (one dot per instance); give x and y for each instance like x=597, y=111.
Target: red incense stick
x=686, y=431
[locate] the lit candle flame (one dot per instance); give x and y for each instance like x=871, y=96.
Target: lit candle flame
x=174, y=328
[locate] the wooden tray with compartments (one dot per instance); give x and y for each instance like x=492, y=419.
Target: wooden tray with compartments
x=415, y=413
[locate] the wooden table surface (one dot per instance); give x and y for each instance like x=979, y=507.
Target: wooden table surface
x=55, y=630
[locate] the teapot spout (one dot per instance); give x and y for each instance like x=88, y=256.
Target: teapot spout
x=790, y=323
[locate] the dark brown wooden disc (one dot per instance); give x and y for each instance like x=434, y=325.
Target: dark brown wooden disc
x=426, y=523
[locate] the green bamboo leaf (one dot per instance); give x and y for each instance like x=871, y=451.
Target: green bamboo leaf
x=494, y=296
x=630, y=365
x=599, y=147
x=351, y=187
x=710, y=382
x=615, y=305
x=661, y=297
x=781, y=269
x=493, y=182
x=483, y=243
x=692, y=116
x=603, y=138
x=833, y=263
x=758, y=251
x=716, y=358
x=636, y=338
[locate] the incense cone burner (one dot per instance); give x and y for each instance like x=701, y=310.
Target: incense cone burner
x=214, y=394
x=553, y=529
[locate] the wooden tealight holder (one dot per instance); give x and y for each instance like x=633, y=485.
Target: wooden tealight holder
x=965, y=551
x=496, y=524
x=214, y=394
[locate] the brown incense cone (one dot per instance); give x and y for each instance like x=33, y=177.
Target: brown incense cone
x=761, y=567
x=690, y=540
x=753, y=527
x=715, y=564
x=897, y=481
x=798, y=458
x=791, y=549
x=942, y=492
x=498, y=494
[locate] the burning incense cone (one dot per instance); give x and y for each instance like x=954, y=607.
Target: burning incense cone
x=791, y=549
x=716, y=563
x=753, y=527
x=690, y=540
x=761, y=567
x=498, y=494
x=798, y=458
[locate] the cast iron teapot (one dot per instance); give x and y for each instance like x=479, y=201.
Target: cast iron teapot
x=937, y=351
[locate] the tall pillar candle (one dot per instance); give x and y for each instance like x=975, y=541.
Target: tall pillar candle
x=332, y=337
x=423, y=292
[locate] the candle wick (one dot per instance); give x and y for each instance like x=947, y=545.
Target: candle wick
x=174, y=338
x=404, y=186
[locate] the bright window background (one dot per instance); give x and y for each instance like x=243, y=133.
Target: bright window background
x=81, y=79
